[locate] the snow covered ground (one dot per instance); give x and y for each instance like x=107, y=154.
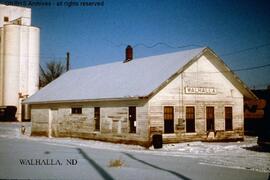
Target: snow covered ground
x=242, y=155
x=239, y=155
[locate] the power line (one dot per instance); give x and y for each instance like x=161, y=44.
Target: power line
x=115, y=44
x=246, y=49
x=183, y=46
x=259, y=86
x=236, y=70
x=166, y=44
x=52, y=57
x=37, y=55
x=189, y=45
x=252, y=68
x=155, y=45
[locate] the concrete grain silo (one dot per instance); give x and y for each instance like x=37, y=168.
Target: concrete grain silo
x=19, y=58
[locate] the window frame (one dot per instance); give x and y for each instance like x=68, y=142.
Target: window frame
x=188, y=119
x=97, y=118
x=208, y=119
x=132, y=120
x=228, y=126
x=168, y=118
x=76, y=110
x=6, y=19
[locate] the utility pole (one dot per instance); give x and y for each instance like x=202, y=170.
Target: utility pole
x=67, y=59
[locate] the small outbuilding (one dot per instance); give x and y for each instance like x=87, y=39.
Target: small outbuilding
x=183, y=96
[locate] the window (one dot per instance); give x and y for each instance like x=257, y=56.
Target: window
x=97, y=118
x=132, y=119
x=190, y=119
x=168, y=119
x=19, y=22
x=228, y=119
x=6, y=19
x=77, y=110
x=210, y=119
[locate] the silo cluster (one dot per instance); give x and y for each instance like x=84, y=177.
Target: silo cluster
x=19, y=58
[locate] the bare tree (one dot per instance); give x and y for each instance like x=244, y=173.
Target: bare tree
x=53, y=69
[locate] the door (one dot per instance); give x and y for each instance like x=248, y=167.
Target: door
x=132, y=119
x=228, y=119
x=52, y=120
x=168, y=119
x=190, y=119
x=97, y=118
x=210, y=119
x=50, y=124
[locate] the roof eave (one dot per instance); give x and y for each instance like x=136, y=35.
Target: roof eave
x=249, y=94
x=181, y=69
x=85, y=100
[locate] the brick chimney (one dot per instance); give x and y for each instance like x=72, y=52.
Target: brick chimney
x=129, y=54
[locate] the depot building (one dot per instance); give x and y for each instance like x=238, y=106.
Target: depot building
x=183, y=96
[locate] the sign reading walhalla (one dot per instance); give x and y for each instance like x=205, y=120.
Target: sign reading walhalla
x=200, y=90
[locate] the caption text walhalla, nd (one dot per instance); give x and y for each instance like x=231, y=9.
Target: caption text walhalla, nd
x=47, y=162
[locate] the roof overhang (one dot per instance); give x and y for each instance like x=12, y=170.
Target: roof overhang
x=86, y=100
x=227, y=72
x=232, y=77
x=216, y=60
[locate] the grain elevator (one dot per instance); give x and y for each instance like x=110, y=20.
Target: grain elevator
x=19, y=58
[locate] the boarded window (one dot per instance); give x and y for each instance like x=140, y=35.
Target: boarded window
x=228, y=119
x=97, y=118
x=210, y=119
x=132, y=119
x=190, y=119
x=6, y=19
x=168, y=119
x=76, y=110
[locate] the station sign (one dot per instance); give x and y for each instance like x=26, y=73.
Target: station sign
x=201, y=90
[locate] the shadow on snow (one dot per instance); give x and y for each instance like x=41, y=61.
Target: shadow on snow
x=156, y=167
x=99, y=169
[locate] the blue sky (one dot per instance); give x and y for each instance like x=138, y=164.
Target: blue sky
x=98, y=35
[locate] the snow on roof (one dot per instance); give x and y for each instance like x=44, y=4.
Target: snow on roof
x=137, y=78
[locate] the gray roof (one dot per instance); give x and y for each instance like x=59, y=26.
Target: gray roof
x=118, y=80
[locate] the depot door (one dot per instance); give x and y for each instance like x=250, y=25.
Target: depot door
x=210, y=119
x=52, y=120
x=168, y=119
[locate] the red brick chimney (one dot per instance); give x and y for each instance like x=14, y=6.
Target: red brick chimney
x=129, y=54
